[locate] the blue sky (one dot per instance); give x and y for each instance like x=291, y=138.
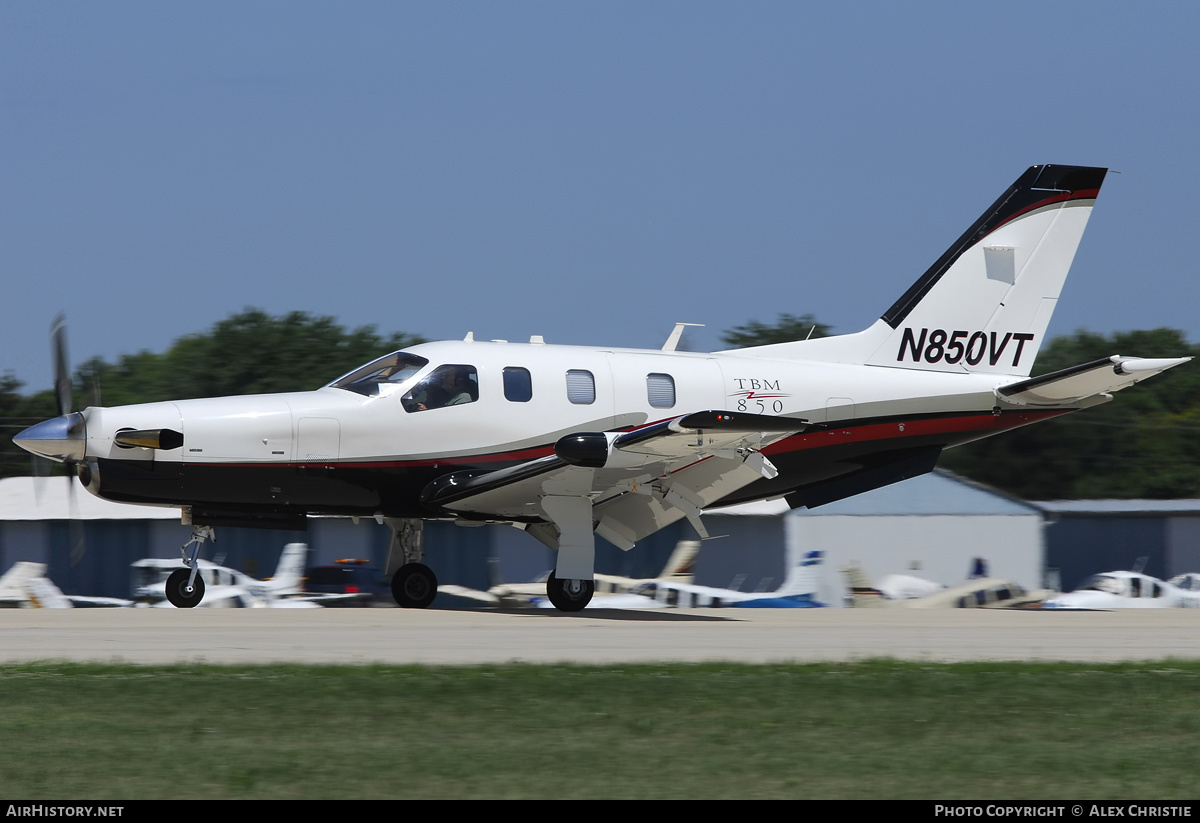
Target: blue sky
x=590, y=172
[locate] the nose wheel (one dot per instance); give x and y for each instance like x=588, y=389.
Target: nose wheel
x=182, y=595
x=569, y=595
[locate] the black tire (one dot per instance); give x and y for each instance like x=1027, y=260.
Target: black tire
x=560, y=594
x=177, y=589
x=414, y=585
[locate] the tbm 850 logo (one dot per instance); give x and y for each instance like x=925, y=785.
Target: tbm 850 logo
x=938, y=345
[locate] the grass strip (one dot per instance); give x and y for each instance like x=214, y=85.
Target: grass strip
x=876, y=729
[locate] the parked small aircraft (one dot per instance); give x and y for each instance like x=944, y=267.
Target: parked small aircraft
x=677, y=569
x=14, y=592
x=569, y=442
x=1127, y=590
x=977, y=593
x=26, y=586
x=230, y=588
x=799, y=591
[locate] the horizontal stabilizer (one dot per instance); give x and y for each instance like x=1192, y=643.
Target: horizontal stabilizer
x=1081, y=382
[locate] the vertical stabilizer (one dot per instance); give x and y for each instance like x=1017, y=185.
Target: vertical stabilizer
x=862, y=593
x=984, y=305
x=291, y=567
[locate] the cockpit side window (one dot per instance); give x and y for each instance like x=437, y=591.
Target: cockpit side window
x=381, y=376
x=450, y=385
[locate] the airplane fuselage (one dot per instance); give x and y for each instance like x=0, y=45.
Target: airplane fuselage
x=338, y=451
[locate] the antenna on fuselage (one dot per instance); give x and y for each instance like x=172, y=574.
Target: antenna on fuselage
x=673, y=340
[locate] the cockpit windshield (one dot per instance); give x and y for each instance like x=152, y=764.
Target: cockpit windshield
x=381, y=376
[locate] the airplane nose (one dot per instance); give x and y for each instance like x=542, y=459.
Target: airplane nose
x=63, y=439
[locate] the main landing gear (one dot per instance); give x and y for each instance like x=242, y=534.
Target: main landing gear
x=569, y=595
x=414, y=585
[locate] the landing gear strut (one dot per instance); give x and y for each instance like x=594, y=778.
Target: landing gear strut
x=185, y=587
x=569, y=595
x=414, y=585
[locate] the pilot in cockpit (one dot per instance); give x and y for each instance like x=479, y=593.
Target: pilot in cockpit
x=447, y=386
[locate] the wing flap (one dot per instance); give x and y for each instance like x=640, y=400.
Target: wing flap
x=656, y=466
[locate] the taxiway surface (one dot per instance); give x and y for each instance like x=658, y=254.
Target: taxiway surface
x=538, y=636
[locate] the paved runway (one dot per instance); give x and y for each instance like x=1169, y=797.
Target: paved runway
x=458, y=637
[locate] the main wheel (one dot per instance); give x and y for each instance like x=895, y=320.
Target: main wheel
x=179, y=594
x=569, y=595
x=414, y=586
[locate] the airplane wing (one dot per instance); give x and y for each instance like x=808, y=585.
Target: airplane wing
x=1088, y=380
x=637, y=481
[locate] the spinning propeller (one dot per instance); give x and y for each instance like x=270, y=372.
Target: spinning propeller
x=63, y=438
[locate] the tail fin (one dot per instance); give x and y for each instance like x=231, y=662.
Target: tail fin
x=291, y=566
x=862, y=593
x=985, y=304
x=13, y=582
x=43, y=594
x=681, y=562
x=802, y=576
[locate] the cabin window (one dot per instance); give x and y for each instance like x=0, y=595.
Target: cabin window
x=518, y=385
x=581, y=386
x=452, y=385
x=660, y=389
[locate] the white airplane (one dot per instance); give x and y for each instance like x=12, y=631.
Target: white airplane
x=230, y=588
x=678, y=569
x=1127, y=590
x=977, y=593
x=799, y=591
x=14, y=592
x=26, y=586
x=569, y=442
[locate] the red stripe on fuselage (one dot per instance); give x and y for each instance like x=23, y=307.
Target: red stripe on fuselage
x=983, y=423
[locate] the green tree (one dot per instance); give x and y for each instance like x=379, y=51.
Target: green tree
x=788, y=328
x=247, y=353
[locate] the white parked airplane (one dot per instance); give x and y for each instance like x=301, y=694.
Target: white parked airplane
x=570, y=442
x=14, y=591
x=799, y=591
x=976, y=593
x=678, y=569
x=1127, y=590
x=230, y=588
x=25, y=585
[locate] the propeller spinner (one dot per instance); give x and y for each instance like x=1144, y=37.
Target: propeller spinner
x=63, y=438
